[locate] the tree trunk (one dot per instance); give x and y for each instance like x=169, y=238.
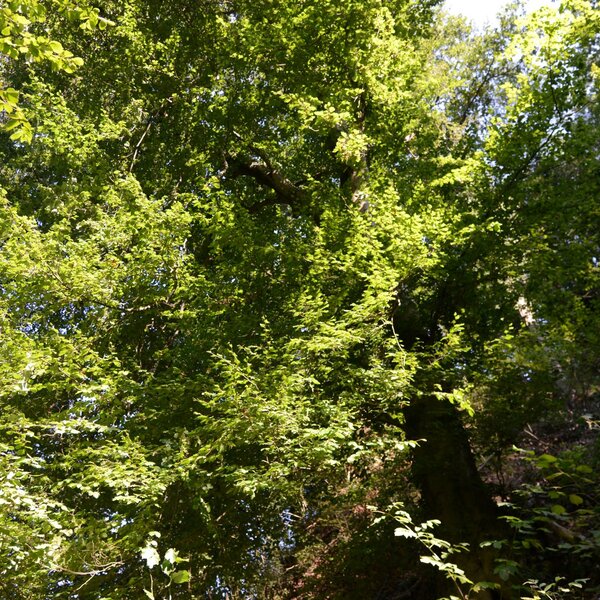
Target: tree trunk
x=451, y=488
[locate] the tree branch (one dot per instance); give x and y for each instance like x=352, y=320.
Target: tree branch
x=265, y=175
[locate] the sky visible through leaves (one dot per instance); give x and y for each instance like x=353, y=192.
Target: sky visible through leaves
x=483, y=12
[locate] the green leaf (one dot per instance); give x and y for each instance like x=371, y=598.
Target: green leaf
x=171, y=556
x=151, y=556
x=485, y=585
x=13, y=124
x=181, y=576
x=403, y=532
x=11, y=95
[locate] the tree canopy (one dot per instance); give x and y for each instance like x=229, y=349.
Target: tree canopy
x=279, y=279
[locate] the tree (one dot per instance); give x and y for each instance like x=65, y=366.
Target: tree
x=18, y=40
x=260, y=264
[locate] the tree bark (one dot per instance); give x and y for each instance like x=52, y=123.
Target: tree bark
x=451, y=488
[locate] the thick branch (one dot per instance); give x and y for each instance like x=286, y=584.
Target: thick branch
x=359, y=175
x=285, y=190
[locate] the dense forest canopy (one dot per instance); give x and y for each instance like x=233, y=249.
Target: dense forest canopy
x=279, y=279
